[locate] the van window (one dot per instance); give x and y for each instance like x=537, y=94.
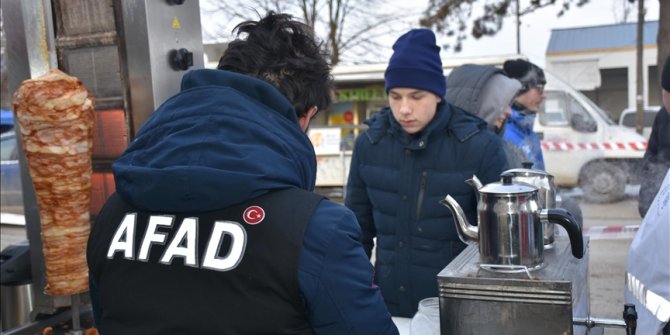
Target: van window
x=553, y=111
x=580, y=119
x=629, y=118
x=604, y=116
x=562, y=110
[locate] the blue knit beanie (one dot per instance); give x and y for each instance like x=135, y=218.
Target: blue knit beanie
x=416, y=63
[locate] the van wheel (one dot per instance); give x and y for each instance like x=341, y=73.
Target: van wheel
x=602, y=182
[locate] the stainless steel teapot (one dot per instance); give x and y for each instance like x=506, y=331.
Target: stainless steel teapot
x=546, y=193
x=510, y=224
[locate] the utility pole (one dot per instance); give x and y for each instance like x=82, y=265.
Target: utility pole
x=639, y=114
x=518, y=28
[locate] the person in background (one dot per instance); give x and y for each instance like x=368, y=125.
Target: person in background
x=412, y=155
x=214, y=228
x=485, y=91
x=656, y=160
x=519, y=126
x=647, y=282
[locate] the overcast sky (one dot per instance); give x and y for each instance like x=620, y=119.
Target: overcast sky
x=535, y=29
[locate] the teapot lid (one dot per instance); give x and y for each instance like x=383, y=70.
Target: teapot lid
x=528, y=171
x=507, y=186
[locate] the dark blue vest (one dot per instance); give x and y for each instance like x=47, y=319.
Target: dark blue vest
x=232, y=271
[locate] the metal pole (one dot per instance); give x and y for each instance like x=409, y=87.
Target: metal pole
x=518, y=28
x=591, y=322
x=76, y=323
x=639, y=84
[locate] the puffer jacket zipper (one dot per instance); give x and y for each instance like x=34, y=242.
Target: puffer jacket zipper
x=422, y=191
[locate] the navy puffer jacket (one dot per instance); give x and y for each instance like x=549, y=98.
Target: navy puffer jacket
x=226, y=138
x=395, y=184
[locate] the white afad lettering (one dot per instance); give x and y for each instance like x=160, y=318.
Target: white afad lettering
x=124, y=238
x=152, y=236
x=184, y=244
x=238, y=245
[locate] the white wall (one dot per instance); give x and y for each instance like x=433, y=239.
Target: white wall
x=609, y=59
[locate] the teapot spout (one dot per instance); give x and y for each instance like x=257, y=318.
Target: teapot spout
x=468, y=233
x=475, y=183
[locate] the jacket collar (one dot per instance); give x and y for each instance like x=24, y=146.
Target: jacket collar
x=256, y=89
x=522, y=121
x=448, y=118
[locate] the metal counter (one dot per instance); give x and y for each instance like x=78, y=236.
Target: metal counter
x=481, y=301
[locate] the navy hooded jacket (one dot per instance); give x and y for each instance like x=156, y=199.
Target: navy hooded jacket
x=227, y=138
x=395, y=184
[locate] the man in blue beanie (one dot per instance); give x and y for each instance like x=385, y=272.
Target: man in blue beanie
x=412, y=155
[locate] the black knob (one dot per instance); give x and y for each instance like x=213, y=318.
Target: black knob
x=506, y=178
x=174, y=2
x=527, y=165
x=630, y=317
x=181, y=59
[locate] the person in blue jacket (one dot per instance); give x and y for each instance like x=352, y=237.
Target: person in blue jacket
x=411, y=156
x=214, y=228
x=519, y=127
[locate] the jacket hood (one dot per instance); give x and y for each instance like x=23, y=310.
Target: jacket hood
x=447, y=118
x=482, y=90
x=466, y=83
x=223, y=139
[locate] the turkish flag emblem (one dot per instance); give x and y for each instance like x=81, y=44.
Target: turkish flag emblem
x=254, y=215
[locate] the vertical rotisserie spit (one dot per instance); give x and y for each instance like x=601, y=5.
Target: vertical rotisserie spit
x=55, y=113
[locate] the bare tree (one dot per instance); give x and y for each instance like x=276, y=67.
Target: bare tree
x=351, y=30
x=452, y=16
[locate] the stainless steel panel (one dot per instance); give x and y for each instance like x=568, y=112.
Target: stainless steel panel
x=83, y=17
x=478, y=301
x=151, y=29
x=98, y=70
x=31, y=52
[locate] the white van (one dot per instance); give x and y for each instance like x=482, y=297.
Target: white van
x=582, y=146
x=628, y=119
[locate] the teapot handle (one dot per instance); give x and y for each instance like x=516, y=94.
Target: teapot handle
x=566, y=220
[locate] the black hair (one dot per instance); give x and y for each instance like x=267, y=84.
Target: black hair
x=284, y=53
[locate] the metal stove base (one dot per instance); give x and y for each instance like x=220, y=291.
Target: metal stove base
x=478, y=301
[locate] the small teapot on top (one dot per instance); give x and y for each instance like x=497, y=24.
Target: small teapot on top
x=546, y=193
x=510, y=224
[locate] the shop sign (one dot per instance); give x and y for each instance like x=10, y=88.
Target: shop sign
x=326, y=141
x=361, y=94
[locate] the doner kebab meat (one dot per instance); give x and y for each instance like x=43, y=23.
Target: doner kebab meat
x=55, y=113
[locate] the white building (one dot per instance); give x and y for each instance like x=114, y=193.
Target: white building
x=600, y=61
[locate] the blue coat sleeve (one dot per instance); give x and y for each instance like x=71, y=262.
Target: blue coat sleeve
x=336, y=277
x=358, y=201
